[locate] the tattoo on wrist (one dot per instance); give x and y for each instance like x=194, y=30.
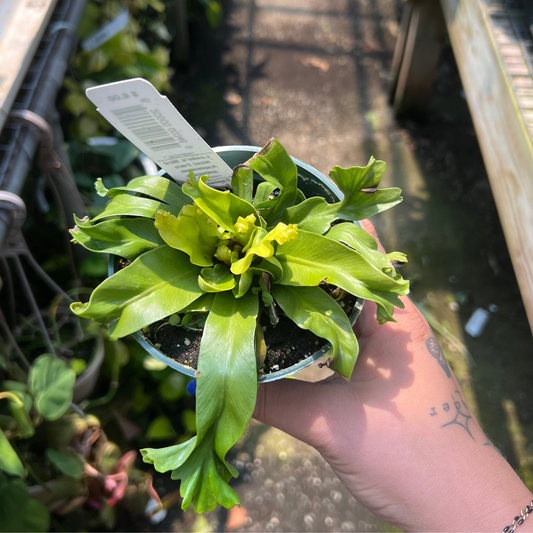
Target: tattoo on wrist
x=435, y=351
x=455, y=412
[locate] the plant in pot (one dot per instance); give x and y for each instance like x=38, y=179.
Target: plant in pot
x=229, y=267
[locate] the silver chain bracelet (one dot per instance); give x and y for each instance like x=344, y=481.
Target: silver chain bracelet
x=519, y=520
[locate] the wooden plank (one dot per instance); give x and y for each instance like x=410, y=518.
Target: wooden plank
x=500, y=124
x=420, y=57
x=399, y=49
x=22, y=24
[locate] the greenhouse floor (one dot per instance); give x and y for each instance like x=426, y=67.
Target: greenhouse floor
x=315, y=76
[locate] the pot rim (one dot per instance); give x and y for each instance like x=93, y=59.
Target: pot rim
x=285, y=372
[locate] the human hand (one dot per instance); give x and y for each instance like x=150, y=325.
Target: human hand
x=400, y=435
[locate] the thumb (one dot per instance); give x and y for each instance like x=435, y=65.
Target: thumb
x=295, y=407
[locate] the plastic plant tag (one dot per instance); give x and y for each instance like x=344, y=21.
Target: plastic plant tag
x=150, y=121
x=101, y=36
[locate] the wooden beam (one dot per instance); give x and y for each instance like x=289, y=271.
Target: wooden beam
x=502, y=132
x=421, y=52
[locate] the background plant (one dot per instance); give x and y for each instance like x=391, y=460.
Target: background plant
x=230, y=257
x=139, y=50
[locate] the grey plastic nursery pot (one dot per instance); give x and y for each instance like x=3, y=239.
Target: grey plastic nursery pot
x=86, y=381
x=312, y=183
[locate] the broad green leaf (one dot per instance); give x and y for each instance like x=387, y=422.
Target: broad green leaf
x=157, y=187
x=169, y=458
x=227, y=380
x=157, y=284
x=126, y=237
x=264, y=190
x=357, y=238
x=275, y=166
x=244, y=281
x=9, y=460
x=202, y=305
x=160, y=429
x=314, y=214
x=261, y=245
x=225, y=393
x=126, y=204
x=242, y=182
x=120, y=155
x=68, y=464
x=216, y=279
x=35, y=517
x=311, y=258
x=19, y=512
x=9, y=385
x=51, y=382
x=222, y=206
x=313, y=309
x=192, y=232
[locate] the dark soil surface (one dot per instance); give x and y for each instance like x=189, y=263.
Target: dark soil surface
x=287, y=344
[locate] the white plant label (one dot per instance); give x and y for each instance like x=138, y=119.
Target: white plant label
x=101, y=36
x=150, y=121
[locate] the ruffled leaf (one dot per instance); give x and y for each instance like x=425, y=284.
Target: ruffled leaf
x=261, y=245
x=222, y=206
x=316, y=215
x=192, y=232
x=217, y=279
x=169, y=458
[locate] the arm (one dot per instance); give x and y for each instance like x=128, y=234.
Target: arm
x=400, y=435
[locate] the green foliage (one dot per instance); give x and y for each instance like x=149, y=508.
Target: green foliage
x=19, y=512
x=68, y=464
x=51, y=383
x=9, y=460
x=125, y=55
x=227, y=258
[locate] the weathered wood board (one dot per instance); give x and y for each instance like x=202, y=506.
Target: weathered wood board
x=498, y=83
x=22, y=24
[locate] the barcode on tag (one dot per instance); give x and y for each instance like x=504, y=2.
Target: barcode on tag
x=153, y=124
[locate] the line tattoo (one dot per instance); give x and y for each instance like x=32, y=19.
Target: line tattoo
x=435, y=351
x=461, y=419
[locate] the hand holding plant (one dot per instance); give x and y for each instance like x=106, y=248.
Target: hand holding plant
x=232, y=257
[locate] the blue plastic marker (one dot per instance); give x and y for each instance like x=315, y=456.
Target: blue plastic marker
x=191, y=387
